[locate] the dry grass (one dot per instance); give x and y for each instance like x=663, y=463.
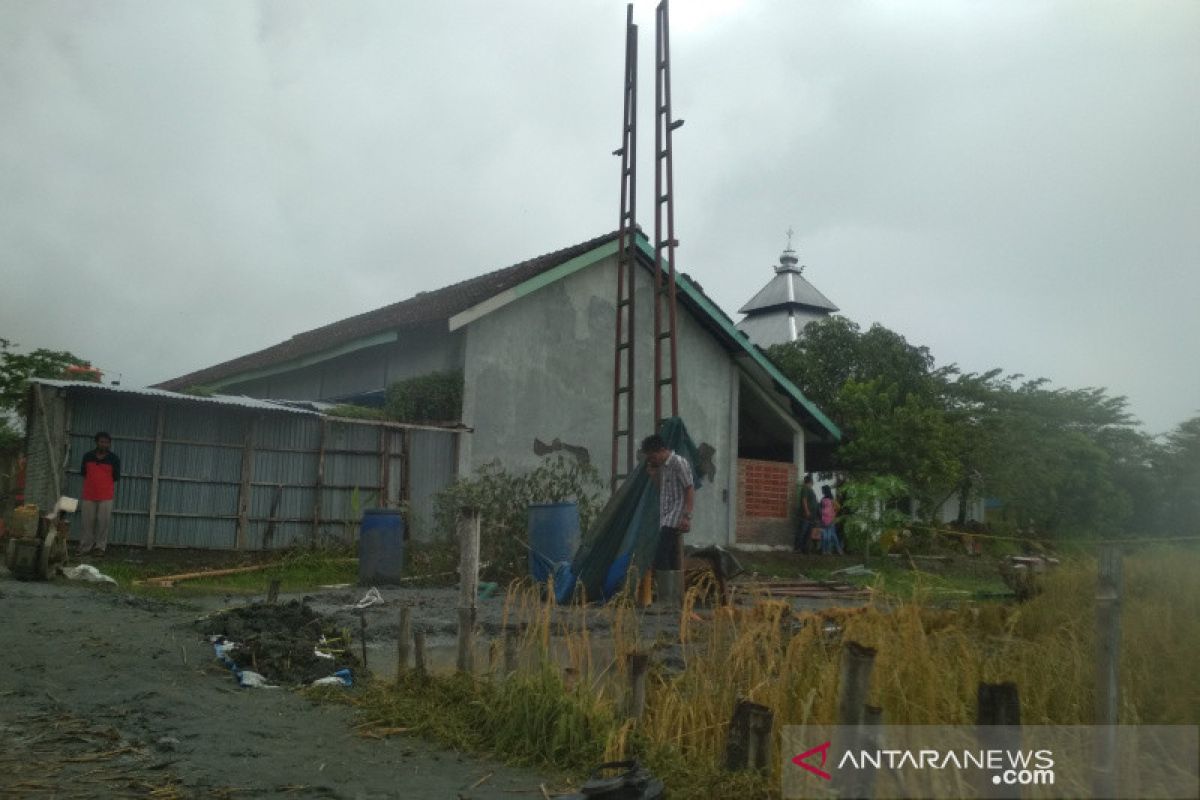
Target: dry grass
x=564, y=708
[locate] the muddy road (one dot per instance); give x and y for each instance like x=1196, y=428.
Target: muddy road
x=103, y=694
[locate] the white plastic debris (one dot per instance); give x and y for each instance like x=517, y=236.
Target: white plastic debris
x=857, y=569
x=371, y=598
x=252, y=680
x=86, y=572
x=340, y=678
x=321, y=654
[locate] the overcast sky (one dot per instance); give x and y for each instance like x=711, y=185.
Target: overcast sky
x=1014, y=184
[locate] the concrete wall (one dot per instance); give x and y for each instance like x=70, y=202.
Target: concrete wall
x=417, y=352
x=564, y=334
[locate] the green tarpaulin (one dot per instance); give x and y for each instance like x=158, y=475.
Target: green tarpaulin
x=625, y=535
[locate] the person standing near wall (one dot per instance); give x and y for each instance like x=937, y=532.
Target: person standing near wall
x=101, y=470
x=829, y=513
x=809, y=517
x=676, y=496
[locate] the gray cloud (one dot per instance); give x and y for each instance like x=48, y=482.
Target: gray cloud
x=1013, y=184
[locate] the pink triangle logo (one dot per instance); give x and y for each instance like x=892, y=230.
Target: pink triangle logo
x=802, y=761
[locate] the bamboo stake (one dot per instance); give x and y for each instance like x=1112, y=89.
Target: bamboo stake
x=1108, y=658
x=468, y=598
x=402, y=644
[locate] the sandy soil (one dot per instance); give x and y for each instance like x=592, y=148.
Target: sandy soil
x=104, y=694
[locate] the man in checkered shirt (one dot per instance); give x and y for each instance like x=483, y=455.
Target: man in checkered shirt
x=676, y=494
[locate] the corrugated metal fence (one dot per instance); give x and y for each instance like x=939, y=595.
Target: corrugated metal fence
x=234, y=473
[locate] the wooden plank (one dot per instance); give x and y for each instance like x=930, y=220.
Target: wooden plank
x=214, y=573
x=385, y=447
x=68, y=413
x=406, y=468
x=155, y=469
x=316, y=520
x=55, y=469
x=245, y=488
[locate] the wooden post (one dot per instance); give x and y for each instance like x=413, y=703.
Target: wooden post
x=854, y=686
x=319, y=486
x=510, y=650
x=273, y=592
x=402, y=644
x=419, y=665
x=855, y=683
x=385, y=478
x=864, y=783
x=762, y=720
x=155, y=469
x=998, y=704
x=362, y=628
x=468, y=582
x=1108, y=660
x=748, y=741
x=406, y=481
x=245, y=488
x=639, y=664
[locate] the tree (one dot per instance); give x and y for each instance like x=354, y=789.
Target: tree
x=1061, y=461
x=886, y=396
x=1176, y=471
x=16, y=370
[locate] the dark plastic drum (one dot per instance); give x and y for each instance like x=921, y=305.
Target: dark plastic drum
x=381, y=547
x=553, y=537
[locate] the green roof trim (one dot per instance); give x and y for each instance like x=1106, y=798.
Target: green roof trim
x=566, y=268
x=726, y=324
x=386, y=337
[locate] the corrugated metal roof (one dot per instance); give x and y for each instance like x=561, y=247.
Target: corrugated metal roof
x=788, y=289
x=162, y=394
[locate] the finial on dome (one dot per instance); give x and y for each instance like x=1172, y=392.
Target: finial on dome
x=788, y=260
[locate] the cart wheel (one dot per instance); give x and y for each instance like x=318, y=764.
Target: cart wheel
x=45, y=562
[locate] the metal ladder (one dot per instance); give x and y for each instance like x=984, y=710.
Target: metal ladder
x=623, y=359
x=664, y=201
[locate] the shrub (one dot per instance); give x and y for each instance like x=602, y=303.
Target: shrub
x=436, y=397
x=503, y=498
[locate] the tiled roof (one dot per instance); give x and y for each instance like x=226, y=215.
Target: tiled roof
x=424, y=308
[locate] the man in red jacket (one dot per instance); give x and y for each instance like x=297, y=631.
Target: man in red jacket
x=101, y=470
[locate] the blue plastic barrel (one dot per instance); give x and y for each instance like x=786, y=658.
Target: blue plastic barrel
x=380, y=547
x=553, y=537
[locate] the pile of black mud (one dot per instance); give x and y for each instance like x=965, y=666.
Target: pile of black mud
x=279, y=641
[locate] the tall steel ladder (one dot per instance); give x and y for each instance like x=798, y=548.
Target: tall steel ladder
x=623, y=359
x=666, y=364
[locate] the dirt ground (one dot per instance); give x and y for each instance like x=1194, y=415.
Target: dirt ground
x=104, y=694
x=434, y=611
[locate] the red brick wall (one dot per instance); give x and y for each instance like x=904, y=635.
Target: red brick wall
x=766, y=502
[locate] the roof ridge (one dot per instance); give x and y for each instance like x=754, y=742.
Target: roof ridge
x=427, y=306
